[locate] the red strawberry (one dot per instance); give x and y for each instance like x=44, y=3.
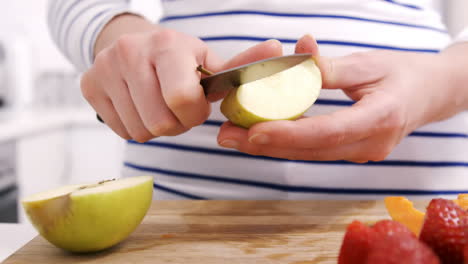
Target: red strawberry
x=400, y=248
x=359, y=239
x=445, y=230
x=390, y=228
x=356, y=243
x=466, y=254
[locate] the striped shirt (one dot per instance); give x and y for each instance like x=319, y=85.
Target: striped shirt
x=433, y=160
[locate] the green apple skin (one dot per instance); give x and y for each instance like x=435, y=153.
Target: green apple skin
x=239, y=115
x=91, y=222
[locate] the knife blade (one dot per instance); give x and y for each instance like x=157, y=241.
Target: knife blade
x=234, y=77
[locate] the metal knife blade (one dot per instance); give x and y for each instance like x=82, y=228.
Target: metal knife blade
x=232, y=78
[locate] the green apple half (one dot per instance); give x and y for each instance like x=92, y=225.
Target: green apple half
x=285, y=95
x=92, y=217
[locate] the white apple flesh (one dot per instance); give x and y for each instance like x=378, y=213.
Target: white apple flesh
x=93, y=217
x=285, y=95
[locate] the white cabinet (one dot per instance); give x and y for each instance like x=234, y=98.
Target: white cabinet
x=96, y=153
x=41, y=162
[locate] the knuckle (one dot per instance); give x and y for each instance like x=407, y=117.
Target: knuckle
x=102, y=65
x=102, y=59
x=164, y=38
x=125, y=46
x=87, y=88
x=334, y=137
x=181, y=101
x=366, y=64
x=162, y=128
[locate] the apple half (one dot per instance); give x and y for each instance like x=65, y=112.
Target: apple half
x=285, y=95
x=90, y=217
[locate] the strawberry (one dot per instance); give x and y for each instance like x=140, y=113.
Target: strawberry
x=445, y=230
x=466, y=254
x=386, y=242
x=356, y=243
x=390, y=228
x=400, y=248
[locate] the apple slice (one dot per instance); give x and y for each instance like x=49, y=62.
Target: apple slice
x=285, y=95
x=90, y=217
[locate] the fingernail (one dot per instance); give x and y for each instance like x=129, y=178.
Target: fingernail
x=229, y=143
x=277, y=42
x=259, y=139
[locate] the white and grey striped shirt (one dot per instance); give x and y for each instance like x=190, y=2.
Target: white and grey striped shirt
x=431, y=161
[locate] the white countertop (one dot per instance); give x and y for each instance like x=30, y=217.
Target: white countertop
x=13, y=237
x=24, y=123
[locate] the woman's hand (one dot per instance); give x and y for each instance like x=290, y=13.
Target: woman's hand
x=395, y=93
x=144, y=82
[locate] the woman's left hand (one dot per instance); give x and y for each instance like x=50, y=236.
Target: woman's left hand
x=395, y=93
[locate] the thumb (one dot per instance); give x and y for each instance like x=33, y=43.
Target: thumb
x=351, y=70
x=261, y=51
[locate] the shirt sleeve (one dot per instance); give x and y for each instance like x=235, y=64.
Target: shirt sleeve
x=462, y=36
x=75, y=24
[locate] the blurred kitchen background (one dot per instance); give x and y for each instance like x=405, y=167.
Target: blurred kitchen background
x=48, y=134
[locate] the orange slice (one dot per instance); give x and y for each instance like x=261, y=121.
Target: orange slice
x=403, y=211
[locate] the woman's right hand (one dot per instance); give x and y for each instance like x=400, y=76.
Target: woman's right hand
x=144, y=84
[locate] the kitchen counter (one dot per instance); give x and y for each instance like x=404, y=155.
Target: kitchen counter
x=13, y=237
x=33, y=121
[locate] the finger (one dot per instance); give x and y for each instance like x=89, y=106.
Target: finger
x=264, y=50
x=361, y=151
x=307, y=44
x=126, y=109
x=370, y=116
x=267, y=49
x=181, y=89
x=230, y=135
x=353, y=70
x=149, y=102
x=102, y=104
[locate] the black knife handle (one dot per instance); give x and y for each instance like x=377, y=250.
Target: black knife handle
x=99, y=118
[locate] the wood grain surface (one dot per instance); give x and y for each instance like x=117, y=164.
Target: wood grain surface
x=205, y=232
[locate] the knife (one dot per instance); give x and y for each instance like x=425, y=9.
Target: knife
x=234, y=77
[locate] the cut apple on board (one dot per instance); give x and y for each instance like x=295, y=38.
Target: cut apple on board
x=285, y=95
x=90, y=217
x=402, y=210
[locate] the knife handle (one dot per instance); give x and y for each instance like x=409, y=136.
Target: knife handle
x=99, y=119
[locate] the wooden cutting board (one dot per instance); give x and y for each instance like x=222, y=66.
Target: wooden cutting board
x=205, y=232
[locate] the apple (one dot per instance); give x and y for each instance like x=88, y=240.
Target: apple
x=90, y=217
x=285, y=95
